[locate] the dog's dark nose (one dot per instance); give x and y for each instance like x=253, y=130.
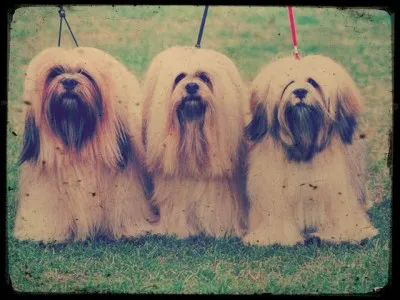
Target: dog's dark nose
x=69, y=83
x=192, y=87
x=300, y=93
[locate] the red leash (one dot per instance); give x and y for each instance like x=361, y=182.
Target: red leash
x=293, y=31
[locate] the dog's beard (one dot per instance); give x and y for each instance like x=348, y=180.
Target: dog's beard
x=193, y=145
x=193, y=142
x=304, y=123
x=73, y=119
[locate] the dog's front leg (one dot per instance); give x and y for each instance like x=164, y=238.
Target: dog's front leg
x=272, y=223
x=41, y=215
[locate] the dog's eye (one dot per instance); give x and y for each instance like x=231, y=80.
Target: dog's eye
x=54, y=73
x=286, y=88
x=313, y=83
x=86, y=74
x=204, y=77
x=179, y=77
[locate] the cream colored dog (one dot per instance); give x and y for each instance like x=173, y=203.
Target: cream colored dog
x=81, y=172
x=306, y=169
x=192, y=122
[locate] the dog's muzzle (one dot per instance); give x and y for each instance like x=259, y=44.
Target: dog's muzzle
x=64, y=104
x=72, y=119
x=191, y=108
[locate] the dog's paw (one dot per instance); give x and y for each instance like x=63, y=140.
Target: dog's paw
x=179, y=233
x=43, y=237
x=267, y=239
x=312, y=240
x=354, y=236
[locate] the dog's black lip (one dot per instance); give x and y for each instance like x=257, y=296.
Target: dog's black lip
x=191, y=98
x=301, y=104
x=68, y=95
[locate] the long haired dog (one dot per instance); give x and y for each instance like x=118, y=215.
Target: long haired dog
x=306, y=167
x=192, y=118
x=81, y=171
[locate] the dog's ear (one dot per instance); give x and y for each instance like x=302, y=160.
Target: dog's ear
x=258, y=125
x=144, y=133
x=324, y=136
x=124, y=146
x=349, y=105
x=31, y=141
x=346, y=124
x=148, y=184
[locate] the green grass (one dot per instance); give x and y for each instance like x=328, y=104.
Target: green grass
x=252, y=36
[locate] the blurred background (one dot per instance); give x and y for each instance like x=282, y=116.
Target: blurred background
x=359, y=39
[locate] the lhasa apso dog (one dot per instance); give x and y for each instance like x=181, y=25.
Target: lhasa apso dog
x=192, y=127
x=82, y=170
x=306, y=175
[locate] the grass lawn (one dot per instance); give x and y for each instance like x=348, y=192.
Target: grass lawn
x=252, y=36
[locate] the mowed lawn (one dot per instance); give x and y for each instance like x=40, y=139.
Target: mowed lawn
x=252, y=36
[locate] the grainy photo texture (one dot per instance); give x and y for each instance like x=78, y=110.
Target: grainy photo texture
x=147, y=153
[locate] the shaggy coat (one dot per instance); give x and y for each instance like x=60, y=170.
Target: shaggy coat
x=82, y=170
x=193, y=121
x=306, y=171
